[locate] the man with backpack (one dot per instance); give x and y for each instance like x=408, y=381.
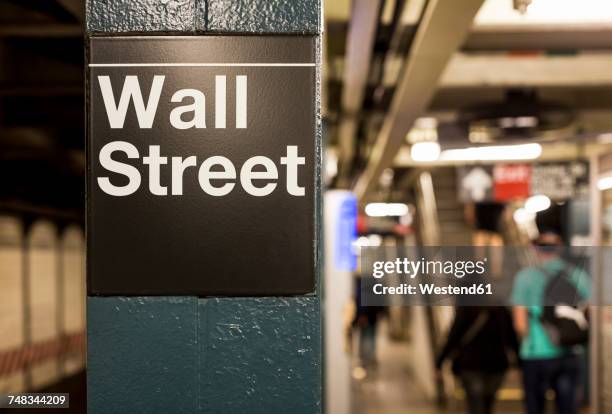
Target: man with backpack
x=550, y=317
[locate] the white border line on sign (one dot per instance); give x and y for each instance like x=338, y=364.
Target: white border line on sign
x=117, y=65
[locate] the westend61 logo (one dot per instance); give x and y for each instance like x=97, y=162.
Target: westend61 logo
x=217, y=175
x=414, y=268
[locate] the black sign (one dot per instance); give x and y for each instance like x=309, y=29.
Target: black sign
x=202, y=160
x=561, y=180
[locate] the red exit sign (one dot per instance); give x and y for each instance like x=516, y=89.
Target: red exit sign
x=511, y=181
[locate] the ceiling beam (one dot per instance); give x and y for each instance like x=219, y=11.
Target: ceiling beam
x=494, y=70
x=360, y=45
x=539, y=37
x=442, y=30
x=29, y=90
x=578, y=98
x=44, y=30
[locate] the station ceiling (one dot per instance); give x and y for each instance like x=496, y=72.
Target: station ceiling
x=559, y=52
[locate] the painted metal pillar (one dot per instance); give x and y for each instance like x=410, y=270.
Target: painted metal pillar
x=205, y=355
x=340, y=234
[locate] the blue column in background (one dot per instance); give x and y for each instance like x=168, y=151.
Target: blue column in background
x=215, y=355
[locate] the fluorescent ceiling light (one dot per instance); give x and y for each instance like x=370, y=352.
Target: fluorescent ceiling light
x=522, y=216
x=518, y=122
x=493, y=153
x=425, y=151
x=386, y=209
x=557, y=12
x=537, y=203
x=605, y=138
x=426, y=122
x=604, y=183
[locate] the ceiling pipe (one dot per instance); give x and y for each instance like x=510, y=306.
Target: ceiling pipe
x=359, y=49
x=442, y=31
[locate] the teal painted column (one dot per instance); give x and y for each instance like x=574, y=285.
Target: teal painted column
x=206, y=355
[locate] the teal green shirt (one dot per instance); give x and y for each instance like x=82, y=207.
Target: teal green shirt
x=528, y=291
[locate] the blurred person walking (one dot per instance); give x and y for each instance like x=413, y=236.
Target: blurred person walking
x=481, y=344
x=551, y=325
x=365, y=323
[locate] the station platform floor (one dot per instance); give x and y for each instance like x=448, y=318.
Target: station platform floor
x=392, y=389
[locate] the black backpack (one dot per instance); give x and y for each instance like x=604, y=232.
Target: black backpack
x=565, y=322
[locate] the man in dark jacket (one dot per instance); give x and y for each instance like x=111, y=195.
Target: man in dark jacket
x=480, y=343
